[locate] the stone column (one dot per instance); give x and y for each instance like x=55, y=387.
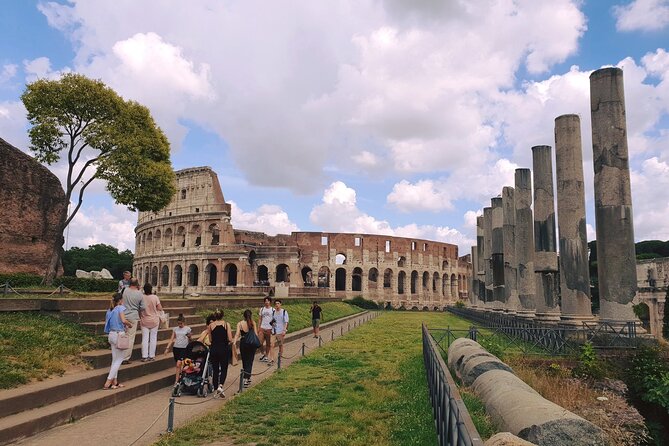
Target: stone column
x=510, y=263
x=616, y=260
x=573, y=240
x=479, y=266
x=487, y=253
x=545, y=255
x=525, y=242
x=497, y=255
x=474, y=295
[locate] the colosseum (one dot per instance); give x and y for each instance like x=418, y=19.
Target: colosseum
x=191, y=247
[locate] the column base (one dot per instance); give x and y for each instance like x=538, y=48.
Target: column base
x=526, y=314
x=575, y=321
x=549, y=318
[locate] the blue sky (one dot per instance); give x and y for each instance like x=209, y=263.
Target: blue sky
x=387, y=116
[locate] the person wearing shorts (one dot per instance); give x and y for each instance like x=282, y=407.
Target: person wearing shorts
x=265, y=318
x=281, y=320
x=316, y=312
x=180, y=338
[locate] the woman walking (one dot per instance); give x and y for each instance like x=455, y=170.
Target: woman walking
x=150, y=320
x=220, y=335
x=115, y=324
x=247, y=335
x=181, y=335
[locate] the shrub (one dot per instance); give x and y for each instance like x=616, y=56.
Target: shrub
x=23, y=280
x=589, y=364
x=361, y=302
x=459, y=304
x=649, y=375
x=494, y=347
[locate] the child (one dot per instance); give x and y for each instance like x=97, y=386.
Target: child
x=180, y=338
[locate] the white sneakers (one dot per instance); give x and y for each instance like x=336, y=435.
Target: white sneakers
x=264, y=358
x=220, y=392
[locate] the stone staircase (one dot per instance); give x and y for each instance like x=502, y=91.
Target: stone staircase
x=39, y=406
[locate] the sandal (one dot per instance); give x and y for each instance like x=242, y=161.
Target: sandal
x=116, y=385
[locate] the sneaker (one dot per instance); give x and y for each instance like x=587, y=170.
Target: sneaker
x=264, y=359
x=220, y=392
x=247, y=383
x=145, y=359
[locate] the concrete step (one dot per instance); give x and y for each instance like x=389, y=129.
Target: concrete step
x=191, y=319
x=31, y=422
x=102, y=358
x=99, y=315
x=39, y=394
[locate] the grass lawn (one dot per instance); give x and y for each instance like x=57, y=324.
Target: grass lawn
x=298, y=313
x=366, y=388
x=35, y=346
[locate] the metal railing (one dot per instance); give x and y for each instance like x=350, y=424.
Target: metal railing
x=454, y=425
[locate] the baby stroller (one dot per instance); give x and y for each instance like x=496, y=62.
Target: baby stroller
x=196, y=373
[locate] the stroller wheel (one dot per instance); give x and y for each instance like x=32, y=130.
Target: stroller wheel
x=176, y=391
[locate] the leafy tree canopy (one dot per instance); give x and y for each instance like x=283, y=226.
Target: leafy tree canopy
x=96, y=257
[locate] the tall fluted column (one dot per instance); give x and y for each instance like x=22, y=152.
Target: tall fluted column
x=510, y=263
x=474, y=293
x=574, y=271
x=545, y=255
x=497, y=256
x=525, y=241
x=616, y=260
x=479, y=266
x=487, y=252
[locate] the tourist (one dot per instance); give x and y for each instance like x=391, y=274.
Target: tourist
x=180, y=338
x=204, y=336
x=281, y=325
x=316, y=314
x=221, y=337
x=150, y=320
x=125, y=282
x=115, y=323
x=134, y=304
x=247, y=336
x=265, y=322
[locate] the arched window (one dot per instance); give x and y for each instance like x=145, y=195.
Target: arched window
x=181, y=236
x=414, y=281
x=154, y=276
x=263, y=275
x=426, y=280
x=388, y=278
x=445, y=286
x=401, y=261
x=307, y=276
x=282, y=273
x=230, y=274
x=324, y=277
x=215, y=234
x=435, y=282
x=147, y=275
x=340, y=279
x=193, y=274
x=178, y=276
x=454, y=286
x=401, y=278
x=356, y=279
x=165, y=276
x=340, y=259
x=183, y=194
x=168, y=237
x=149, y=241
x=157, y=240
x=196, y=233
x=211, y=272
x=444, y=264
x=372, y=278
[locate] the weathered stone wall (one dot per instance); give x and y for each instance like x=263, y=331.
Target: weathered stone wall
x=33, y=207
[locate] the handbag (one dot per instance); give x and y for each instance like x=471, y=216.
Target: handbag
x=251, y=338
x=123, y=341
x=164, y=319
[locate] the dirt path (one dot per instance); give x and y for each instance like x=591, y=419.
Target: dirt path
x=125, y=423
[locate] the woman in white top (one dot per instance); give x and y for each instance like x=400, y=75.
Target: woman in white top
x=150, y=320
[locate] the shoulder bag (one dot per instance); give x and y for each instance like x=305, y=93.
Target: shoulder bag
x=251, y=338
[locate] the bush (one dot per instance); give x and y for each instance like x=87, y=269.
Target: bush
x=589, y=364
x=361, y=302
x=649, y=376
x=23, y=280
x=459, y=304
x=20, y=280
x=494, y=347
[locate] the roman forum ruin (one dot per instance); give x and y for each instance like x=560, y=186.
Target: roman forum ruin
x=191, y=247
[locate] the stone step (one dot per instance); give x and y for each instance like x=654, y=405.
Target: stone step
x=102, y=358
x=99, y=315
x=31, y=422
x=35, y=395
x=191, y=319
x=75, y=304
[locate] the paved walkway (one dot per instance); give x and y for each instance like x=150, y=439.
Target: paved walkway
x=148, y=414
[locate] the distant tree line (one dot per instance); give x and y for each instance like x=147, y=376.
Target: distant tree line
x=96, y=257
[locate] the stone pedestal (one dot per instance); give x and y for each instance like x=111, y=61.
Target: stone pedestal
x=616, y=260
x=497, y=256
x=573, y=242
x=545, y=255
x=487, y=253
x=525, y=242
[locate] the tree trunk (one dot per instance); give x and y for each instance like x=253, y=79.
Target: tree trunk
x=55, y=262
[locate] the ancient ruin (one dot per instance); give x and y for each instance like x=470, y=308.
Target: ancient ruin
x=33, y=208
x=191, y=247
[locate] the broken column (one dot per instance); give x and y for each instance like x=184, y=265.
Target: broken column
x=573, y=241
x=545, y=255
x=487, y=253
x=474, y=295
x=616, y=261
x=510, y=266
x=479, y=268
x=497, y=255
x=525, y=241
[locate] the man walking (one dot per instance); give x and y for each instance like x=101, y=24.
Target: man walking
x=281, y=325
x=265, y=318
x=134, y=303
x=316, y=312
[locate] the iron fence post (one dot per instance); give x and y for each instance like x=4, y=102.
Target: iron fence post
x=241, y=380
x=170, y=417
x=303, y=349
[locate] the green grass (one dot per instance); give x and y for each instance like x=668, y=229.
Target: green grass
x=366, y=388
x=35, y=346
x=298, y=313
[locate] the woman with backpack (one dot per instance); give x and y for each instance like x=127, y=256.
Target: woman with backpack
x=247, y=335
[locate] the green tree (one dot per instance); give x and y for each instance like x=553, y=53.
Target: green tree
x=104, y=137
x=96, y=257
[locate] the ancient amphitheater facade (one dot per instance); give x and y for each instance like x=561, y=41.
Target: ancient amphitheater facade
x=191, y=247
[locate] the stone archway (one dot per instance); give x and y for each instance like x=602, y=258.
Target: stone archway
x=401, y=279
x=356, y=279
x=230, y=272
x=211, y=274
x=263, y=275
x=414, y=282
x=324, y=277
x=307, y=276
x=282, y=273
x=340, y=279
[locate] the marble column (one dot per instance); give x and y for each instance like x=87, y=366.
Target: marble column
x=479, y=268
x=497, y=255
x=487, y=253
x=545, y=255
x=525, y=241
x=573, y=241
x=616, y=260
x=474, y=293
x=509, y=245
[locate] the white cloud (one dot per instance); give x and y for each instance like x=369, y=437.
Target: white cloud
x=94, y=225
x=424, y=195
x=40, y=68
x=7, y=73
x=650, y=202
x=13, y=124
x=642, y=15
x=270, y=219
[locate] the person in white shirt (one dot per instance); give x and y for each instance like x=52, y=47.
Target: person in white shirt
x=265, y=318
x=281, y=324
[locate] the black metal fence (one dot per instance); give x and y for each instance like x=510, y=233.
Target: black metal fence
x=454, y=425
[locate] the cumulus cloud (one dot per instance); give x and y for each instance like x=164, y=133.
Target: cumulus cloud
x=642, y=15
x=94, y=225
x=270, y=219
x=7, y=73
x=13, y=124
x=424, y=195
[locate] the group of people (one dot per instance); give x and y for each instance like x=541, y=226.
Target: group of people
x=130, y=307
